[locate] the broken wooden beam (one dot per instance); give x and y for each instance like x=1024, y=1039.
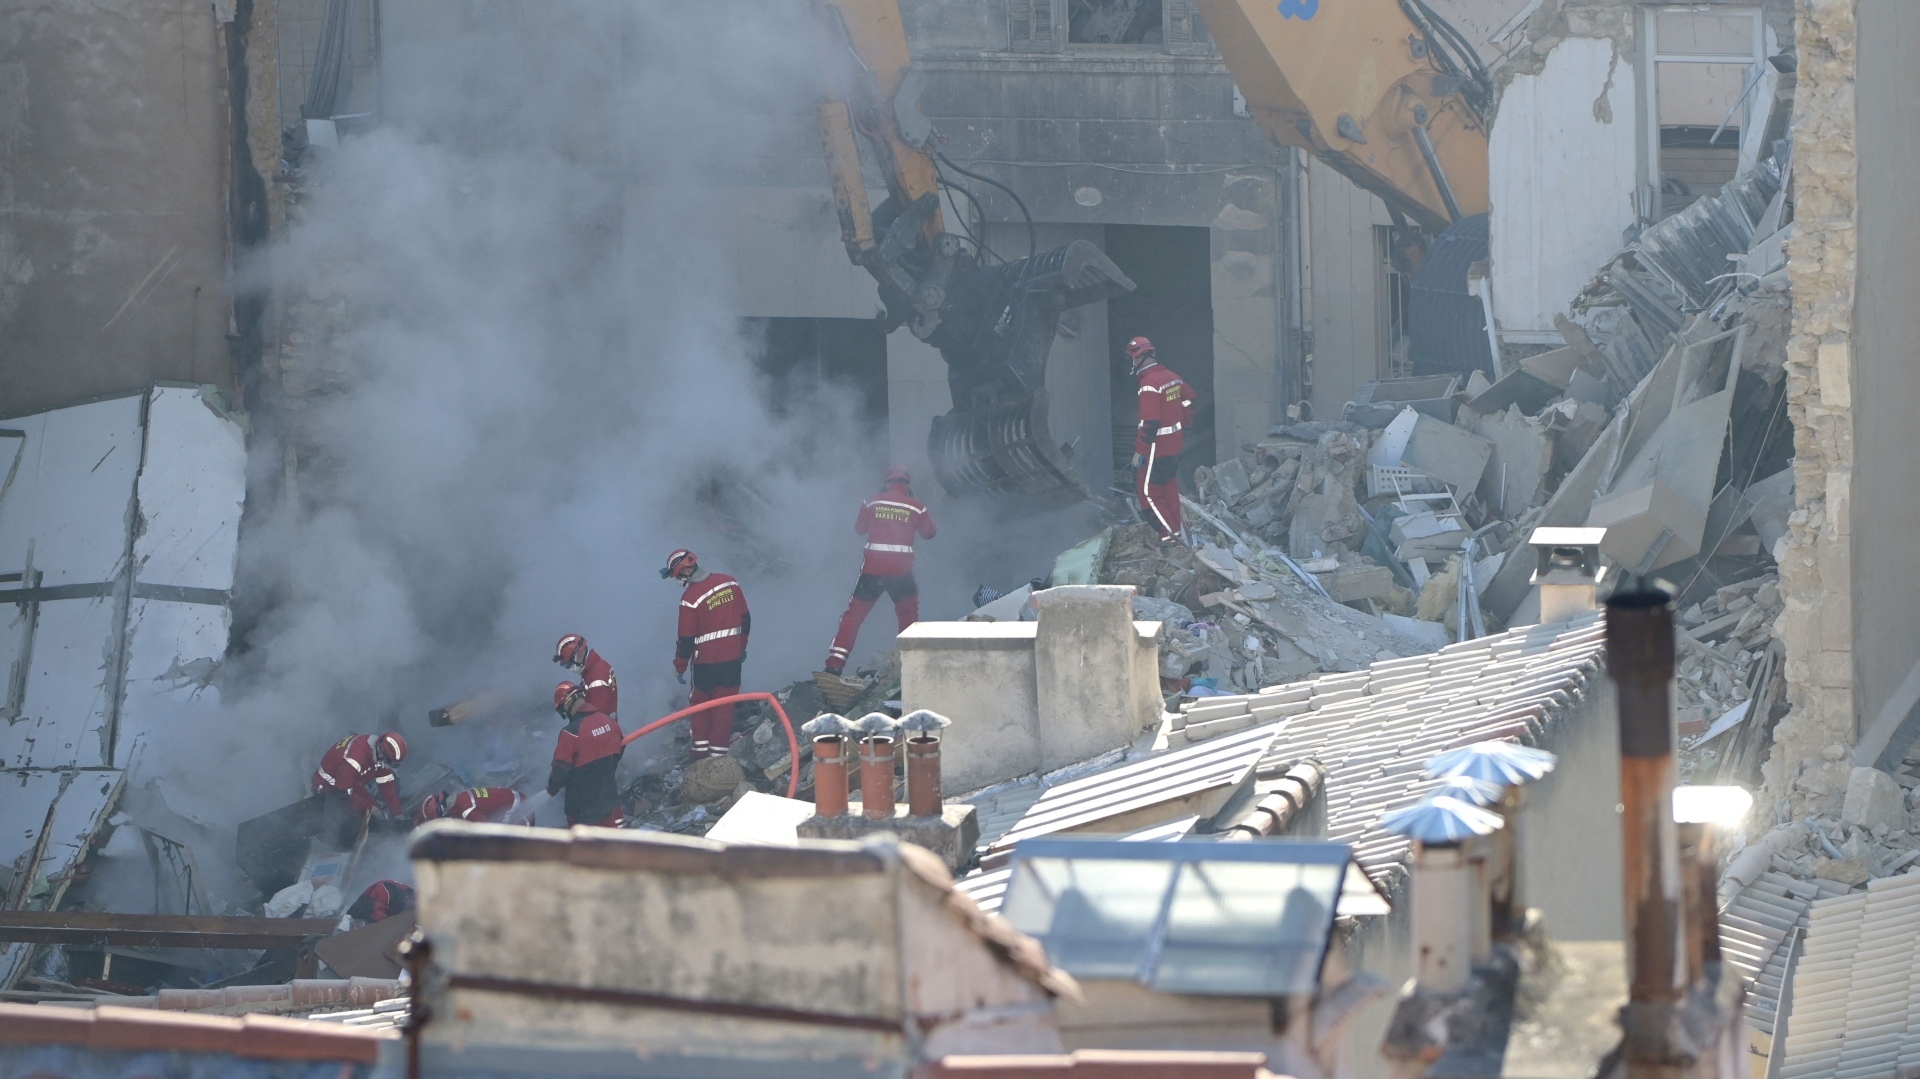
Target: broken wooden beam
x=159, y=930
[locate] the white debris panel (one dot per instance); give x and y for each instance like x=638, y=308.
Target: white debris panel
x=119, y=527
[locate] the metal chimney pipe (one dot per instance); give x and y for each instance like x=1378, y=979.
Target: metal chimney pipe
x=830, y=775
x=923, y=761
x=828, y=732
x=1640, y=651
x=923, y=775
x=876, y=777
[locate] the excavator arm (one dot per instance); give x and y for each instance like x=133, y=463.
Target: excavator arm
x=993, y=322
x=1383, y=91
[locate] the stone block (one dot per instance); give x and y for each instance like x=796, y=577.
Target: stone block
x=952, y=835
x=1873, y=798
x=1849, y=871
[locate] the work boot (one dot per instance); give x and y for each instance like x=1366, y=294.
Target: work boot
x=833, y=669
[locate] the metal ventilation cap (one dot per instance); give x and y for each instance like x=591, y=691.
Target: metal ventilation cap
x=922, y=720
x=1506, y=763
x=1441, y=819
x=827, y=724
x=1474, y=792
x=876, y=725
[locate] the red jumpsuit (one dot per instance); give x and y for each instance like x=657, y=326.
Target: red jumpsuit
x=891, y=521
x=350, y=769
x=585, y=761
x=714, y=624
x=382, y=900
x=482, y=804
x=603, y=692
x=1166, y=407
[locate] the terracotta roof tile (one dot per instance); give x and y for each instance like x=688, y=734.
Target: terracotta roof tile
x=141, y=1030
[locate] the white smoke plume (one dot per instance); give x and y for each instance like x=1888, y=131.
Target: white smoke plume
x=544, y=370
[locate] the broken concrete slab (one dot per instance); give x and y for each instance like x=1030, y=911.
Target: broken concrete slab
x=1356, y=581
x=1655, y=511
x=1455, y=457
x=1873, y=798
x=1516, y=475
x=1377, y=403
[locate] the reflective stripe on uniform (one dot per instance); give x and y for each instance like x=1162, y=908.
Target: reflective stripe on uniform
x=1146, y=494
x=896, y=505
x=702, y=597
x=891, y=548
x=1174, y=430
x=388, y=778
x=716, y=635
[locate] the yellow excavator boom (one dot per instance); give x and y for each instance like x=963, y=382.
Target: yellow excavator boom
x=1365, y=86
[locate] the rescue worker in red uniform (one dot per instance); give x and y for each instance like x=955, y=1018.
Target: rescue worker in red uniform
x=714, y=624
x=585, y=759
x=596, y=674
x=358, y=766
x=891, y=521
x=382, y=900
x=1166, y=408
x=485, y=805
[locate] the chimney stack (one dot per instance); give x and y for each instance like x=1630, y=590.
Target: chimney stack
x=829, y=731
x=1640, y=651
x=923, y=761
x=877, y=756
x=1449, y=895
x=1568, y=572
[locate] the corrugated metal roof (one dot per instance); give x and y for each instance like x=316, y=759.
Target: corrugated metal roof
x=1856, y=989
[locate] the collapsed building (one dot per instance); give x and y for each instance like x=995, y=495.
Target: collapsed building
x=1688, y=330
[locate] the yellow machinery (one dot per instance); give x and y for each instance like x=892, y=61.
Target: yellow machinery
x=1384, y=91
x=992, y=322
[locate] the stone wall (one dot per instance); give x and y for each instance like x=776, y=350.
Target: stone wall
x=1810, y=763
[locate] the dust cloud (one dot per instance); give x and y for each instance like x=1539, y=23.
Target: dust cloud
x=543, y=385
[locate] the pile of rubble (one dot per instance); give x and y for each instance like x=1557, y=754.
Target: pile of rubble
x=1877, y=834
x=1662, y=419
x=1730, y=668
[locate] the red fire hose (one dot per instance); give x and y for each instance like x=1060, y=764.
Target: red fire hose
x=793, y=744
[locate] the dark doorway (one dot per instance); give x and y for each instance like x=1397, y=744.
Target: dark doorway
x=1173, y=306
x=813, y=362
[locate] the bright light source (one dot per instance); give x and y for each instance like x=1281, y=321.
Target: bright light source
x=1711, y=805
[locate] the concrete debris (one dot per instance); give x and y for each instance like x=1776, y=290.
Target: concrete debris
x=1874, y=800
x=1236, y=619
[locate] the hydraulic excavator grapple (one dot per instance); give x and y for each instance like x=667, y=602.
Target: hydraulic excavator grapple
x=993, y=322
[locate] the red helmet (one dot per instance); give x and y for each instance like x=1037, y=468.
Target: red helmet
x=899, y=474
x=1139, y=347
x=679, y=562
x=432, y=807
x=390, y=747
x=565, y=696
x=571, y=651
